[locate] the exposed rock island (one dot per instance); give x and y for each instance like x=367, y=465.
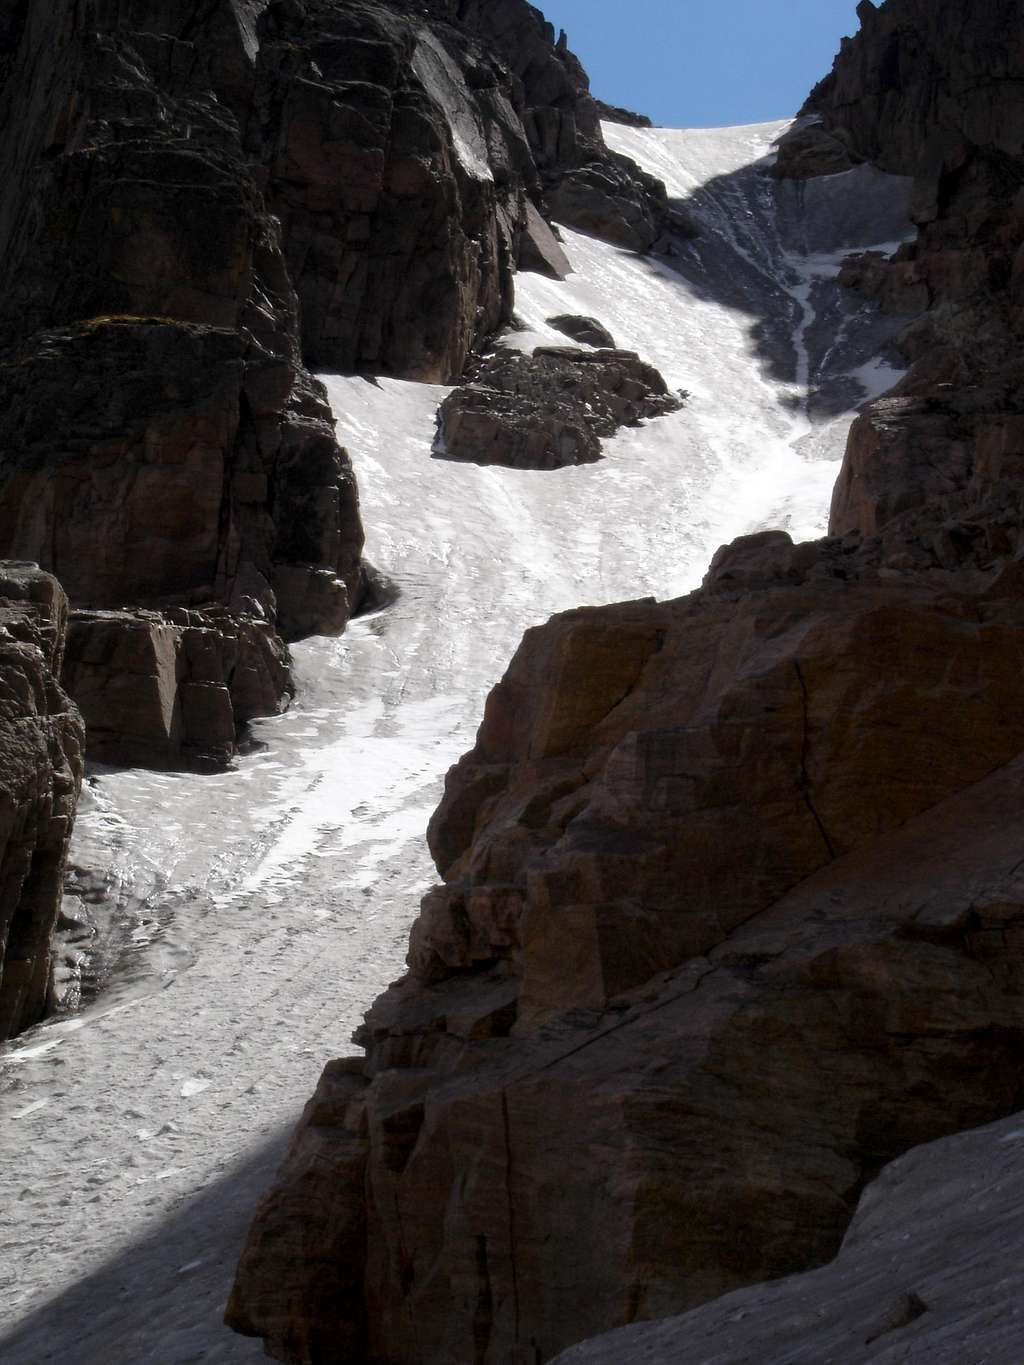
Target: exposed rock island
x=548, y=409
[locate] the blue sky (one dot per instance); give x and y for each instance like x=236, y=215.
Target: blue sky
x=697, y=63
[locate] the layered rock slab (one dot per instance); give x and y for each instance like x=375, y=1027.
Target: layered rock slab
x=42, y=739
x=549, y=409
x=929, y=1271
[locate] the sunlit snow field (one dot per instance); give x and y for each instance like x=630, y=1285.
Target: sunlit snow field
x=267, y=906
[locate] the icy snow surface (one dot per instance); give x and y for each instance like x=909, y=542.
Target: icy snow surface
x=259, y=912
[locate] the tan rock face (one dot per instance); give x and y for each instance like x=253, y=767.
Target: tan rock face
x=666, y=867
x=41, y=760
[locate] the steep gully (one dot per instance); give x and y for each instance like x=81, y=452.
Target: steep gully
x=260, y=911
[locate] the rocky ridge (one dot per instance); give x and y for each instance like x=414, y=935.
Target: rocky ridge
x=730, y=884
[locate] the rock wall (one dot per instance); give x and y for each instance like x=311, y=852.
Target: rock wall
x=161, y=442
x=680, y=996
x=934, y=91
x=920, y=74
x=730, y=884
x=41, y=759
x=586, y=186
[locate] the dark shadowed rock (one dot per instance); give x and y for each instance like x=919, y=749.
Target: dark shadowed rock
x=929, y=1269
x=934, y=91
x=41, y=746
x=561, y=118
x=550, y=409
x=160, y=442
x=586, y=330
x=612, y=200
x=398, y=167
x=919, y=75
x=155, y=462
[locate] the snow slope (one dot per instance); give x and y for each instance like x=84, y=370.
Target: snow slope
x=260, y=911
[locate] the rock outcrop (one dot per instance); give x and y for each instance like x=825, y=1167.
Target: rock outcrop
x=920, y=76
x=172, y=689
x=609, y=198
x=585, y=185
x=540, y=250
x=731, y=885
x=614, y=113
x=153, y=462
x=549, y=409
x=41, y=760
x=809, y=150
x=949, y=113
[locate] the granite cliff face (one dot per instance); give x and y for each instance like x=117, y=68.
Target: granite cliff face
x=731, y=884
x=41, y=758
x=691, y=979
